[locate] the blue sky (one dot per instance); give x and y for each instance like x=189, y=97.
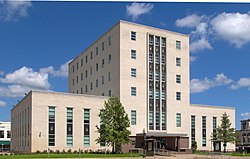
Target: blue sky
x=37, y=39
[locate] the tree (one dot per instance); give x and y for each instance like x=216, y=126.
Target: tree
x=194, y=146
x=224, y=132
x=113, y=126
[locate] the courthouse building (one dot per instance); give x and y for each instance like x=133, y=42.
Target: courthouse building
x=148, y=69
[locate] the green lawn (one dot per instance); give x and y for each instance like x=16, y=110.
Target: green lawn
x=70, y=156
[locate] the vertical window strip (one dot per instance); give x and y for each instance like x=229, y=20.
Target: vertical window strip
x=69, y=126
x=51, y=132
x=86, y=133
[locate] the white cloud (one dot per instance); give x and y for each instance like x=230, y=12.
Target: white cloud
x=193, y=58
x=12, y=10
x=197, y=85
x=243, y=82
x=13, y=91
x=135, y=10
x=1, y=73
x=232, y=27
x=245, y=115
x=62, y=72
x=200, y=44
x=27, y=77
x=189, y=21
x=2, y=103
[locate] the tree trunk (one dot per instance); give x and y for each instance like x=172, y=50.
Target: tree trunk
x=224, y=145
x=113, y=147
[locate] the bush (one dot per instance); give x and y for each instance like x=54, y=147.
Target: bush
x=194, y=146
x=57, y=152
x=75, y=152
x=45, y=151
x=37, y=151
x=86, y=151
x=63, y=151
x=69, y=151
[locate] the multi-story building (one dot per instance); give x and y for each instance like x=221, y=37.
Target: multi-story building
x=4, y=136
x=244, y=136
x=148, y=69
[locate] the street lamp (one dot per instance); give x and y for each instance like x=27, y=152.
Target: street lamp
x=144, y=143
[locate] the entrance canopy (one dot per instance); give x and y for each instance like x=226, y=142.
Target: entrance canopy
x=162, y=134
x=4, y=142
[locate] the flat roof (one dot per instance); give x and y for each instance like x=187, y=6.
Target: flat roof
x=212, y=106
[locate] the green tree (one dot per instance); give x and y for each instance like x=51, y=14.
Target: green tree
x=113, y=130
x=194, y=146
x=224, y=132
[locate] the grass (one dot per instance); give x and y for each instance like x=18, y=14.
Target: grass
x=70, y=155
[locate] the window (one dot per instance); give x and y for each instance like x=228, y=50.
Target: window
x=86, y=73
x=69, y=126
x=81, y=76
x=1, y=134
x=133, y=117
x=163, y=120
x=151, y=120
x=102, y=94
x=86, y=59
x=109, y=40
x=204, y=139
x=178, y=44
x=133, y=54
x=73, y=82
x=102, y=63
x=102, y=46
x=109, y=76
x=96, y=83
x=192, y=127
x=133, y=91
x=73, y=68
x=51, y=132
x=214, y=122
x=77, y=79
x=109, y=59
x=133, y=35
x=8, y=134
x=81, y=90
x=96, y=50
x=102, y=79
x=86, y=88
x=86, y=125
x=133, y=72
x=91, y=55
x=77, y=66
x=76, y=91
x=178, y=95
x=96, y=67
x=178, y=61
x=178, y=119
x=81, y=62
x=178, y=78
x=91, y=86
x=109, y=93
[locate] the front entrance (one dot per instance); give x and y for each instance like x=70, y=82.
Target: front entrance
x=217, y=146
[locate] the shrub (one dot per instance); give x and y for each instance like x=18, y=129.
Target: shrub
x=194, y=146
x=69, y=151
x=86, y=151
x=57, y=152
x=37, y=151
x=63, y=151
x=75, y=152
x=45, y=151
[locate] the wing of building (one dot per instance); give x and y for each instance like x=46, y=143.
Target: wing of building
x=148, y=69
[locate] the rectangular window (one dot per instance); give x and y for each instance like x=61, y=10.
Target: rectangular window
x=178, y=119
x=1, y=134
x=69, y=126
x=178, y=44
x=133, y=117
x=151, y=120
x=91, y=86
x=8, y=134
x=81, y=76
x=109, y=76
x=86, y=88
x=81, y=62
x=102, y=46
x=103, y=63
x=204, y=127
x=163, y=120
x=110, y=93
x=109, y=40
x=178, y=95
x=133, y=91
x=86, y=122
x=86, y=73
x=133, y=54
x=109, y=59
x=214, y=122
x=73, y=82
x=77, y=79
x=73, y=68
x=178, y=78
x=96, y=50
x=81, y=90
x=178, y=61
x=96, y=66
x=51, y=132
x=133, y=72
x=86, y=59
x=91, y=55
x=192, y=128
x=77, y=66
x=133, y=35
x=102, y=79
x=96, y=83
